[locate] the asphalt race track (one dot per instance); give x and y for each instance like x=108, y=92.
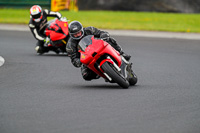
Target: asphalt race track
x=46, y=94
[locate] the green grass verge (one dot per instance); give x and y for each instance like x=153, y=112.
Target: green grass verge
x=149, y=21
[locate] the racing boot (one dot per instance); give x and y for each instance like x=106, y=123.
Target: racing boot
x=126, y=56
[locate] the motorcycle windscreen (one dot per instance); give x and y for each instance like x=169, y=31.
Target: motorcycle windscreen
x=51, y=22
x=85, y=42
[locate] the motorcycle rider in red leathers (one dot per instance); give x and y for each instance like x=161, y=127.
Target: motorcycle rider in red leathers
x=37, y=25
x=77, y=32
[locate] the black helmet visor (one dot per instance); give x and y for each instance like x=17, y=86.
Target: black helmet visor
x=36, y=16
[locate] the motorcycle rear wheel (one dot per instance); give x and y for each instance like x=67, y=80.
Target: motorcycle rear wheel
x=133, y=80
x=115, y=75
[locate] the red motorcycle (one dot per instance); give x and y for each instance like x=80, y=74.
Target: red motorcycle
x=58, y=34
x=105, y=61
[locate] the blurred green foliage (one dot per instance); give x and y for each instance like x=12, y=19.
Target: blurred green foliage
x=150, y=21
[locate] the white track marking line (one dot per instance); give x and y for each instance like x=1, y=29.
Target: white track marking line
x=2, y=61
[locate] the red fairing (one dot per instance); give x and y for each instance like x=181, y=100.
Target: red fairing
x=97, y=46
x=97, y=49
x=58, y=30
x=56, y=36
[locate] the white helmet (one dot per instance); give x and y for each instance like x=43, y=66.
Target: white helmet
x=36, y=13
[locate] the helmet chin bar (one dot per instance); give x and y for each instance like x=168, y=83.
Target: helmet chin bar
x=77, y=38
x=38, y=19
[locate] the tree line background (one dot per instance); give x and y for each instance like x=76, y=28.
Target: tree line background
x=179, y=6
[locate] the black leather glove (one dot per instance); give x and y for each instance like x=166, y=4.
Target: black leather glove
x=63, y=19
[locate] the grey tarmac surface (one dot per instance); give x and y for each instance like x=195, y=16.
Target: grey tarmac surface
x=46, y=94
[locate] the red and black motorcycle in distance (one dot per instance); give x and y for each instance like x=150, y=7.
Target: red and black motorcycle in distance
x=104, y=60
x=57, y=31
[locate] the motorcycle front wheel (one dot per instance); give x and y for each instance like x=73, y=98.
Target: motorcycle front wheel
x=115, y=75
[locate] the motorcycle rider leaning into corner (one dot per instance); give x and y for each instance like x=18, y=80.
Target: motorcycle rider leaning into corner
x=77, y=32
x=37, y=25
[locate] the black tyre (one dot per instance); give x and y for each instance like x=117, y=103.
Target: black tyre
x=115, y=75
x=133, y=80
